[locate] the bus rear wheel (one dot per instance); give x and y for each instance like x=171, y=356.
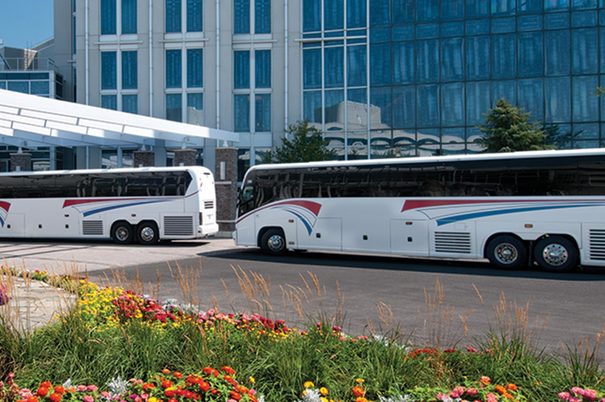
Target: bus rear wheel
x=507, y=252
x=556, y=254
x=273, y=241
x=122, y=233
x=148, y=233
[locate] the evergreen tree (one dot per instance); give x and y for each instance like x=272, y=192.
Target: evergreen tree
x=305, y=145
x=508, y=129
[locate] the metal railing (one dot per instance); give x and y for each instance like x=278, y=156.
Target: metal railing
x=32, y=63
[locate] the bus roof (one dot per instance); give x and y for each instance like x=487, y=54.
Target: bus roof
x=101, y=171
x=433, y=159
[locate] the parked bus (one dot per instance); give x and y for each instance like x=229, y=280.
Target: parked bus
x=514, y=209
x=126, y=205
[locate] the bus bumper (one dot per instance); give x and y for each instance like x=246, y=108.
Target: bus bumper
x=206, y=230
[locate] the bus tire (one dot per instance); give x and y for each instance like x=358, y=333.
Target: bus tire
x=556, y=254
x=122, y=233
x=148, y=233
x=507, y=252
x=273, y=241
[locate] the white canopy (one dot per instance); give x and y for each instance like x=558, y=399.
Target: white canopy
x=31, y=121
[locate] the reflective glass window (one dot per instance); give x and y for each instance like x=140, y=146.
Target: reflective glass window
x=452, y=9
x=380, y=13
x=503, y=56
x=530, y=6
x=427, y=10
x=40, y=88
x=2, y=84
x=195, y=68
x=584, y=49
x=584, y=19
x=108, y=17
x=531, y=98
x=129, y=16
x=558, y=95
x=556, y=4
x=403, y=11
x=241, y=69
x=333, y=14
x=18, y=86
x=195, y=108
x=504, y=25
x=263, y=68
x=584, y=3
x=173, y=15
x=356, y=13
x=262, y=16
x=451, y=59
x=404, y=107
x=478, y=95
x=504, y=89
x=173, y=69
x=381, y=98
x=312, y=106
x=109, y=102
x=403, y=62
x=262, y=112
x=427, y=61
x=427, y=105
x=531, y=55
x=503, y=7
x=334, y=67
x=129, y=70
x=333, y=100
x=452, y=101
x=477, y=8
x=109, y=70
x=241, y=14
x=311, y=15
x=358, y=95
x=556, y=21
x=312, y=68
x=356, y=65
x=557, y=45
x=174, y=107
x=242, y=113
x=477, y=57
x=194, y=15
x=585, y=103
x=130, y=104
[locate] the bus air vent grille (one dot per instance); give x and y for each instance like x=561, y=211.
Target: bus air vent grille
x=208, y=204
x=597, y=244
x=453, y=242
x=92, y=228
x=178, y=225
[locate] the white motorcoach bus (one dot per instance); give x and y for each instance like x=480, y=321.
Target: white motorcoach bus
x=126, y=205
x=546, y=207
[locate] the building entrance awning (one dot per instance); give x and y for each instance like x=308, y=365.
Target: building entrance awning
x=32, y=121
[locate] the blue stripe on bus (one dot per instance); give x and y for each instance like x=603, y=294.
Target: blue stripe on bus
x=96, y=211
x=304, y=221
x=483, y=214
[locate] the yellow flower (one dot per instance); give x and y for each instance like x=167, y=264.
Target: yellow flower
x=251, y=380
x=323, y=399
x=323, y=391
x=309, y=384
x=359, y=380
x=152, y=399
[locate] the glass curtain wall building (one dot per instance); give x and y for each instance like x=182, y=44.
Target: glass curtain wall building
x=416, y=77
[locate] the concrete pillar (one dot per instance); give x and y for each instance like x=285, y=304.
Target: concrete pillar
x=143, y=158
x=185, y=157
x=21, y=162
x=225, y=178
x=159, y=150
x=88, y=157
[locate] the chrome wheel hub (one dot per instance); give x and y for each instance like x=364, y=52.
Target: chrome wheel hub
x=122, y=234
x=276, y=243
x=147, y=234
x=555, y=254
x=506, y=253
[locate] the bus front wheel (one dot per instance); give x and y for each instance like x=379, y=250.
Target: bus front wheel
x=506, y=251
x=148, y=233
x=556, y=254
x=122, y=233
x=273, y=242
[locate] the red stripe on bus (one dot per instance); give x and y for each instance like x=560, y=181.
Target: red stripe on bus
x=5, y=205
x=408, y=205
x=69, y=203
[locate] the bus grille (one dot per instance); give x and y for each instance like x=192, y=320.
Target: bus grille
x=92, y=228
x=453, y=242
x=208, y=204
x=178, y=225
x=597, y=244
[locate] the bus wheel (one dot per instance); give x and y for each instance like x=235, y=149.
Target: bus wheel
x=506, y=251
x=556, y=254
x=273, y=242
x=122, y=233
x=147, y=233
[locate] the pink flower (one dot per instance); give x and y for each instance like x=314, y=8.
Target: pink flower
x=564, y=396
x=472, y=349
x=576, y=391
x=457, y=392
x=88, y=398
x=82, y=388
x=472, y=392
x=491, y=397
x=92, y=388
x=589, y=394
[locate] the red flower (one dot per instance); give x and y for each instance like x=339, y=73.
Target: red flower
x=228, y=370
x=42, y=391
x=204, y=386
x=55, y=397
x=358, y=391
x=235, y=395
x=59, y=389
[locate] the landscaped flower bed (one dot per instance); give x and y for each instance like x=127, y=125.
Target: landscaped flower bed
x=114, y=333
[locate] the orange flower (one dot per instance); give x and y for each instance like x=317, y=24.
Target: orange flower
x=228, y=370
x=358, y=391
x=165, y=371
x=485, y=380
x=500, y=389
x=42, y=391
x=235, y=395
x=59, y=389
x=511, y=387
x=55, y=397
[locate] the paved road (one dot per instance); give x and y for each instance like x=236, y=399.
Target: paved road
x=442, y=302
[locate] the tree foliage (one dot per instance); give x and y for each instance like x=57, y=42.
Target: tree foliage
x=508, y=129
x=305, y=145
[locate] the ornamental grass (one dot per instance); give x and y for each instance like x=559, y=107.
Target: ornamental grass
x=115, y=334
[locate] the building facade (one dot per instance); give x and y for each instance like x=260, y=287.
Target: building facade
x=378, y=78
